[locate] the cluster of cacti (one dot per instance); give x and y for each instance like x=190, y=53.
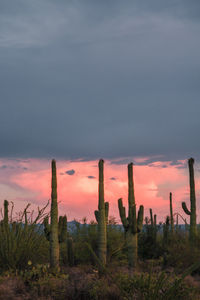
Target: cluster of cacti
x=132, y=224
x=102, y=217
x=58, y=237
x=192, y=211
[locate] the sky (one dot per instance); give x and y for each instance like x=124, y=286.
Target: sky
x=82, y=80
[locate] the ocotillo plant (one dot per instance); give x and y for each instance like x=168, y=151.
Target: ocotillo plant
x=132, y=224
x=171, y=213
x=192, y=211
x=54, y=245
x=102, y=216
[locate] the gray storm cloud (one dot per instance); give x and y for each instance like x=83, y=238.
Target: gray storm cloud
x=70, y=172
x=90, y=79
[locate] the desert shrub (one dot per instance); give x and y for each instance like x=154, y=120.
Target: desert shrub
x=145, y=286
x=180, y=254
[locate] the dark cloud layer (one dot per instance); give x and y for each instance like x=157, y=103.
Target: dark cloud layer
x=91, y=177
x=90, y=79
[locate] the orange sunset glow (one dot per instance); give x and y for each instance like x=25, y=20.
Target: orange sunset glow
x=29, y=181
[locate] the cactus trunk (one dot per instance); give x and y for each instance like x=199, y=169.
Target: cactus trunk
x=101, y=216
x=132, y=224
x=192, y=211
x=132, y=247
x=54, y=245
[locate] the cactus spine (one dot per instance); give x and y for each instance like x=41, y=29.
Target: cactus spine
x=171, y=213
x=132, y=224
x=102, y=216
x=54, y=245
x=192, y=211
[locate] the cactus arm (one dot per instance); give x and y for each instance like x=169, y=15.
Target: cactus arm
x=122, y=212
x=59, y=228
x=96, y=213
x=155, y=220
x=184, y=207
x=46, y=228
x=151, y=216
x=106, y=210
x=63, y=231
x=5, y=220
x=140, y=218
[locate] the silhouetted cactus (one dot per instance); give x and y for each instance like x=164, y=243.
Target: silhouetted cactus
x=166, y=231
x=132, y=224
x=46, y=228
x=171, y=213
x=5, y=219
x=153, y=220
x=62, y=229
x=102, y=217
x=192, y=211
x=54, y=245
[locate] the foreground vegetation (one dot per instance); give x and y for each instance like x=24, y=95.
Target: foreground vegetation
x=42, y=258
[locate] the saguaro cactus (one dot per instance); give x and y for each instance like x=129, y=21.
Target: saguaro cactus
x=54, y=245
x=171, y=213
x=166, y=227
x=5, y=219
x=153, y=220
x=192, y=211
x=102, y=216
x=132, y=224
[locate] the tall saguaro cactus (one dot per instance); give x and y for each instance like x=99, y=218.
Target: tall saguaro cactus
x=171, y=213
x=102, y=216
x=54, y=245
x=132, y=224
x=192, y=211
